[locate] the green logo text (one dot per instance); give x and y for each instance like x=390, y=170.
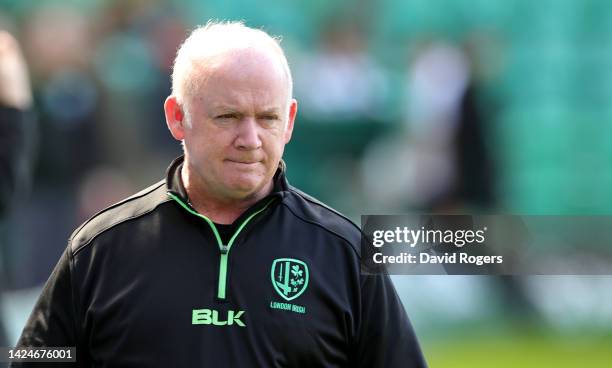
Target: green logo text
x=211, y=317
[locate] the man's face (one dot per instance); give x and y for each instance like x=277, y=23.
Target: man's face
x=240, y=123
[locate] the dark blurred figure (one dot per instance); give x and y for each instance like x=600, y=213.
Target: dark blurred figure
x=474, y=189
x=475, y=171
x=57, y=41
x=58, y=45
x=477, y=176
x=16, y=139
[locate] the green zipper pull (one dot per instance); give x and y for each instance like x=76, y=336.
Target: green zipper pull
x=224, y=249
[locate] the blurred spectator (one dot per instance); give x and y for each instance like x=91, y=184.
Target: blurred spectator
x=100, y=81
x=15, y=139
x=59, y=42
x=437, y=83
x=147, y=35
x=445, y=160
x=340, y=81
x=476, y=177
x=437, y=80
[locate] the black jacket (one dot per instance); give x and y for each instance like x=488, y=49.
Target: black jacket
x=147, y=283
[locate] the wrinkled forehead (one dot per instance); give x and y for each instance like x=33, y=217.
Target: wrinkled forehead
x=248, y=63
x=243, y=73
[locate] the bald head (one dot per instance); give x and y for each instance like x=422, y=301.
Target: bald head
x=217, y=45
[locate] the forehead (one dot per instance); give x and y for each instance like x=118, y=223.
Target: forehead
x=242, y=77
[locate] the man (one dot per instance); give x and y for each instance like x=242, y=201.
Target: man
x=223, y=264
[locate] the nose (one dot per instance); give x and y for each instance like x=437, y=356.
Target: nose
x=248, y=135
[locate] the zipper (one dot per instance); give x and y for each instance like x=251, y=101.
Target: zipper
x=224, y=249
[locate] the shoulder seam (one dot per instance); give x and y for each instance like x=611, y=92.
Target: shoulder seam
x=115, y=224
x=324, y=228
x=320, y=204
x=113, y=206
x=122, y=202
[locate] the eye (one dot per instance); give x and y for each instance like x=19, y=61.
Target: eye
x=226, y=116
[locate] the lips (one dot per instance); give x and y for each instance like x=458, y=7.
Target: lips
x=244, y=162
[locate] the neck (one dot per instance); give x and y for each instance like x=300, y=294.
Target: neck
x=219, y=209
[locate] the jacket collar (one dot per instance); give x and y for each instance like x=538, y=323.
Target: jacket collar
x=174, y=182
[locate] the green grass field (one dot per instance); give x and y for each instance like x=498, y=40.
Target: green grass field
x=520, y=351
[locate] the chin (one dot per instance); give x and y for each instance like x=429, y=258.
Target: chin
x=245, y=187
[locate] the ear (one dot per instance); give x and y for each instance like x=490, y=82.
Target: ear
x=175, y=118
x=292, y=114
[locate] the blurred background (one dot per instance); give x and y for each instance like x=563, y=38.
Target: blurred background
x=482, y=106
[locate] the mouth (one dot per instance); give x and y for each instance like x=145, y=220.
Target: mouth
x=243, y=162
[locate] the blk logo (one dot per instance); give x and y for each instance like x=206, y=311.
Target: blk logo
x=211, y=317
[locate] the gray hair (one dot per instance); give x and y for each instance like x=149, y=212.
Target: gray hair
x=214, y=39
